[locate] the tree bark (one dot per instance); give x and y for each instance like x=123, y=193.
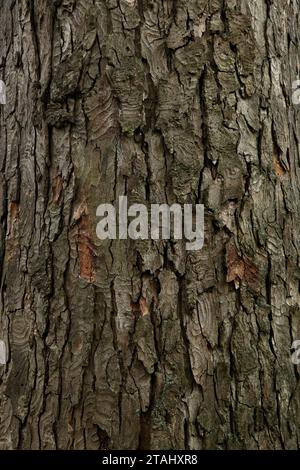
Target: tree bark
x=140, y=344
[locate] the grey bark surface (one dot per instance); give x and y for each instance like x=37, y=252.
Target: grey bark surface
x=141, y=344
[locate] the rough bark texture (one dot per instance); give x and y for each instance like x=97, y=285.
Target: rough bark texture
x=124, y=344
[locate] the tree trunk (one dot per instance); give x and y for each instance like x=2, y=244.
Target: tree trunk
x=141, y=344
